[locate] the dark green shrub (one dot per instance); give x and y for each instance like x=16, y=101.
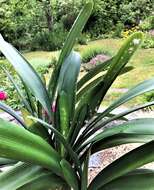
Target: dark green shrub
x=118, y=30
x=83, y=39
x=50, y=41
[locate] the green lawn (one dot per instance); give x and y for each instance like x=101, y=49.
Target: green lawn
x=142, y=61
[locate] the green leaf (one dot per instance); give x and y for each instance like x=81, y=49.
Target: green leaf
x=142, y=180
x=120, y=139
x=4, y=161
x=89, y=87
x=64, y=114
x=121, y=59
x=84, y=179
x=130, y=161
x=17, y=88
x=30, y=98
x=95, y=82
x=76, y=127
x=63, y=141
x=76, y=30
x=68, y=77
x=102, y=124
x=46, y=181
x=137, y=126
x=11, y=112
x=93, y=72
x=19, y=144
x=69, y=43
x=27, y=73
x=69, y=174
x=139, y=89
x=19, y=175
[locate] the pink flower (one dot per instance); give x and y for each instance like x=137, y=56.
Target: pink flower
x=3, y=95
x=53, y=107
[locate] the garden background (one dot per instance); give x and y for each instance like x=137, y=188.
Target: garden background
x=38, y=28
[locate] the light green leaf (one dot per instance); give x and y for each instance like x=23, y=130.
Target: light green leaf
x=19, y=144
x=69, y=43
x=46, y=181
x=27, y=73
x=19, y=175
x=139, y=89
x=4, y=161
x=68, y=77
x=121, y=59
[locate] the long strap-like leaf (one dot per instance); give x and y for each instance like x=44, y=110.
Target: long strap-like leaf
x=46, y=181
x=19, y=144
x=121, y=59
x=19, y=175
x=11, y=112
x=87, y=132
x=18, y=90
x=130, y=161
x=27, y=73
x=69, y=43
x=142, y=180
x=63, y=141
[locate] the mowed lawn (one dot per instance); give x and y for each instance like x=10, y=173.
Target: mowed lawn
x=142, y=61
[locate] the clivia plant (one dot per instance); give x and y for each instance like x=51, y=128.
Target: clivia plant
x=60, y=127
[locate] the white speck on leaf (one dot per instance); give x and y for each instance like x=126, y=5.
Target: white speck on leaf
x=136, y=41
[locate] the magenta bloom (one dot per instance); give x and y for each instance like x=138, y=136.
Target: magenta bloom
x=53, y=107
x=3, y=95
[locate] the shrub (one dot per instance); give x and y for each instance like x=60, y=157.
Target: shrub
x=92, y=52
x=50, y=148
x=118, y=30
x=83, y=39
x=147, y=24
x=49, y=41
x=148, y=42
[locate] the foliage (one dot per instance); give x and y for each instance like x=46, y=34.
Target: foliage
x=83, y=39
x=92, y=52
x=127, y=32
x=108, y=13
x=26, y=22
x=49, y=40
x=148, y=41
x=118, y=30
x=147, y=24
x=61, y=126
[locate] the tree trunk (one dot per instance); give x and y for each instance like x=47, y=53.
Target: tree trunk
x=48, y=14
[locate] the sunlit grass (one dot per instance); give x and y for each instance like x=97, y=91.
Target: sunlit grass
x=142, y=61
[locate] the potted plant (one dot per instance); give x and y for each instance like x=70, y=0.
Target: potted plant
x=51, y=146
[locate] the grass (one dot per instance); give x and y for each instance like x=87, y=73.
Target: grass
x=142, y=61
